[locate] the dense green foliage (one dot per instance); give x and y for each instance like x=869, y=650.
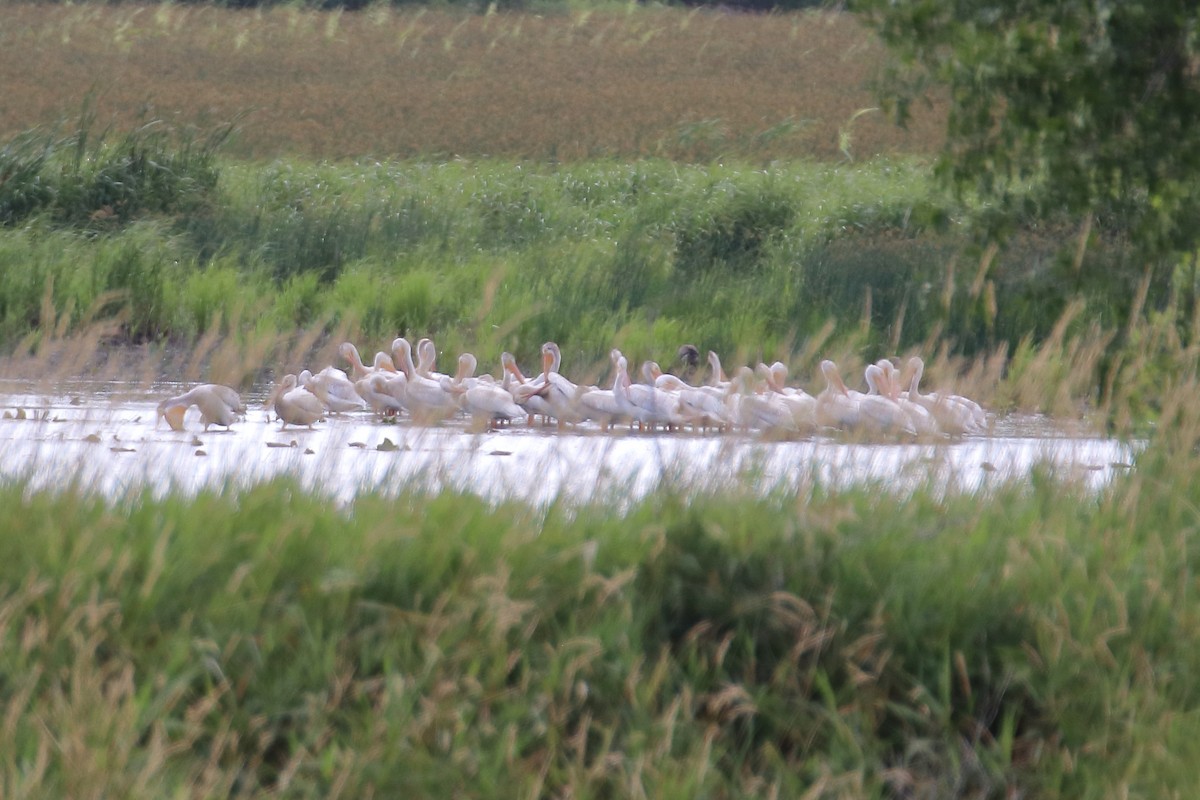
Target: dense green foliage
x=498, y=255
x=856, y=644
x=88, y=178
x=1075, y=107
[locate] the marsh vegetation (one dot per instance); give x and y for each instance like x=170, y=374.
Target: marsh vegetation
x=173, y=209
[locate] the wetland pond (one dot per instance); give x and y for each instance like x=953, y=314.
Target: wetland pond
x=106, y=437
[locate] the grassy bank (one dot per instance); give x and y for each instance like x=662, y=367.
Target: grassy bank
x=847, y=644
x=796, y=262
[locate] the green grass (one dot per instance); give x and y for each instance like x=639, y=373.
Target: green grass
x=502, y=255
x=849, y=643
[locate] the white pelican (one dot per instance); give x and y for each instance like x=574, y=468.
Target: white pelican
x=529, y=394
x=295, y=405
x=560, y=392
x=801, y=404
x=219, y=405
x=383, y=392
x=482, y=398
x=427, y=360
x=695, y=405
x=333, y=388
x=601, y=404
x=836, y=406
x=402, y=356
x=718, y=378
x=427, y=401
x=621, y=386
x=881, y=413
x=644, y=404
x=921, y=418
x=751, y=409
x=348, y=351
x=954, y=413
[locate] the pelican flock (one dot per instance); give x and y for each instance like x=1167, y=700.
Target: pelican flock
x=753, y=399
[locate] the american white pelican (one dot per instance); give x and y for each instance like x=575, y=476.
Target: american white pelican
x=295, y=405
x=333, y=388
x=836, y=406
x=427, y=360
x=764, y=411
x=954, y=413
x=402, y=356
x=384, y=393
x=644, y=404
x=879, y=412
x=601, y=404
x=922, y=420
x=482, y=398
x=529, y=394
x=718, y=379
x=628, y=408
x=348, y=351
x=560, y=392
x=801, y=404
x=695, y=405
x=219, y=405
x=427, y=401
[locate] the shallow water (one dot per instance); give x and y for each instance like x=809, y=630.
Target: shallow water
x=105, y=437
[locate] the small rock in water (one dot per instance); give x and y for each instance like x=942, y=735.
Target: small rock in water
x=200, y=453
x=20, y=413
x=122, y=449
x=76, y=401
x=500, y=453
x=281, y=444
x=196, y=442
x=387, y=445
x=94, y=438
x=988, y=466
x=308, y=451
x=359, y=445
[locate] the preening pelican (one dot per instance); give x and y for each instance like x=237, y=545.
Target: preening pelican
x=295, y=405
x=427, y=401
x=879, y=412
x=560, y=392
x=836, y=406
x=718, y=378
x=348, y=351
x=529, y=394
x=483, y=399
x=219, y=405
x=384, y=392
x=694, y=405
x=751, y=409
x=333, y=388
x=601, y=404
x=801, y=404
x=922, y=420
x=954, y=413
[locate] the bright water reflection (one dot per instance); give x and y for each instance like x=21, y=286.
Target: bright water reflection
x=110, y=442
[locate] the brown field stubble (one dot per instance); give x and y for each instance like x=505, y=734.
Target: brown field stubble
x=691, y=85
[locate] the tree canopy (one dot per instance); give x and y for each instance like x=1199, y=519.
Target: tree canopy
x=1089, y=108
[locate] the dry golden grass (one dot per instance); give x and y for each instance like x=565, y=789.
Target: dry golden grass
x=672, y=83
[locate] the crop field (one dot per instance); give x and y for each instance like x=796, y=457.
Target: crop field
x=193, y=194
x=389, y=83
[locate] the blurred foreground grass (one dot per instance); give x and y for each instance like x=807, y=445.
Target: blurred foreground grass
x=1041, y=641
